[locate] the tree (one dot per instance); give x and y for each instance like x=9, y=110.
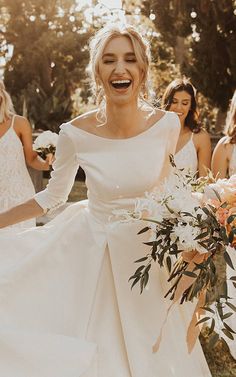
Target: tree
x=49, y=40
x=207, y=30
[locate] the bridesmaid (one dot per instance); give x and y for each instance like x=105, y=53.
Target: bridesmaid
x=224, y=155
x=194, y=145
x=224, y=165
x=16, y=151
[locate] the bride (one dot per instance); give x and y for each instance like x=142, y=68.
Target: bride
x=67, y=309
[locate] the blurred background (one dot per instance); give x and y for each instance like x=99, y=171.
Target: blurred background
x=44, y=52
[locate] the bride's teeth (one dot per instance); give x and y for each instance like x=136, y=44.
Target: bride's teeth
x=121, y=82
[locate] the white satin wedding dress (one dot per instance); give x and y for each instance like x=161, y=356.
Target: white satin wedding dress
x=67, y=309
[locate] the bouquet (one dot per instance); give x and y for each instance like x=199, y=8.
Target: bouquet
x=188, y=230
x=45, y=144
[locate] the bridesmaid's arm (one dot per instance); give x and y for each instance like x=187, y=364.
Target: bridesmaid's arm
x=202, y=142
x=24, y=131
x=20, y=213
x=220, y=159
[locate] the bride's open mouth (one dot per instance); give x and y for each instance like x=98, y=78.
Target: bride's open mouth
x=121, y=84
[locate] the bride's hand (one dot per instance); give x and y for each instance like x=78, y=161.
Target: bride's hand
x=50, y=158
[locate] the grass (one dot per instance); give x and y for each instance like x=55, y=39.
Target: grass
x=219, y=359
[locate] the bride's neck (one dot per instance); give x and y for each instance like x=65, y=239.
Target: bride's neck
x=123, y=119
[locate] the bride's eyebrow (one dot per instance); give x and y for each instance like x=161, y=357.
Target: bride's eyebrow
x=110, y=55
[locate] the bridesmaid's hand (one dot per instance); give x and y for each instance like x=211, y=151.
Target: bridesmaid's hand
x=50, y=158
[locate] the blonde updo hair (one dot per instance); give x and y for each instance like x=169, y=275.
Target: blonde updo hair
x=230, y=126
x=6, y=105
x=97, y=46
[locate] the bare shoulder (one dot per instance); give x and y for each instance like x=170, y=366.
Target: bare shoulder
x=21, y=124
x=223, y=146
x=201, y=138
x=86, y=121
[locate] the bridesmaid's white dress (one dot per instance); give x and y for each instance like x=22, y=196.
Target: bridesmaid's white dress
x=232, y=162
x=232, y=291
x=186, y=158
x=15, y=183
x=67, y=309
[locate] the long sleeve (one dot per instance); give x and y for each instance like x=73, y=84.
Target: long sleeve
x=63, y=175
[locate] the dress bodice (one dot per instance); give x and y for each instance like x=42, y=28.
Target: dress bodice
x=186, y=158
x=117, y=170
x=232, y=162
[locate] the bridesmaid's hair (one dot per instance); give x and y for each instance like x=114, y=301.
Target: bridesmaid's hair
x=6, y=105
x=141, y=50
x=179, y=85
x=230, y=126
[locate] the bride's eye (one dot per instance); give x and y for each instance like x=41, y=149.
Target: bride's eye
x=133, y=60
x=108, y=61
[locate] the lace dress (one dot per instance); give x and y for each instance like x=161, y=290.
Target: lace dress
x=232, y=162
x=186, y=157
x=232, y=290
x=67, y=309
x=15, y=182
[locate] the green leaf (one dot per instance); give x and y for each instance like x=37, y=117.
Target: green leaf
x=228, y=260
x=202, y=235
x=190, y=274
x=135, y=282
x=227, y=315
x=144, y=230
x=141, y=260
x=228, y=334
x=229, y=328
x=223, y=235
x=231, y=237
x=231, y=306
x=233, y=278
x=217, y=195
x=168, y=263
x=208, y=309
x=211, y=329
x=231, y=218
x=203, y=320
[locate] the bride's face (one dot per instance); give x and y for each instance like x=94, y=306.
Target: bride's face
x=181, y=104
x=119, y=71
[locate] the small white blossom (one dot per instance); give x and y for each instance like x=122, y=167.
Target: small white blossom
x=45, y=139
x=187, y=234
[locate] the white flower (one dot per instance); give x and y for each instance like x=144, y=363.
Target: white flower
x=45, y=139
x=187, y=234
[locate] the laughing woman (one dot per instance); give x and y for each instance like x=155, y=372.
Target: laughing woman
x=64, y=287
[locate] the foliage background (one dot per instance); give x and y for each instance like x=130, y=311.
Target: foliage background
x=45, y=45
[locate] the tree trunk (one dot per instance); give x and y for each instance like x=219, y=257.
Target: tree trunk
x=220, y=121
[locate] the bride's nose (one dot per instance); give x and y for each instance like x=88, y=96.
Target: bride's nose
x=120, y=67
